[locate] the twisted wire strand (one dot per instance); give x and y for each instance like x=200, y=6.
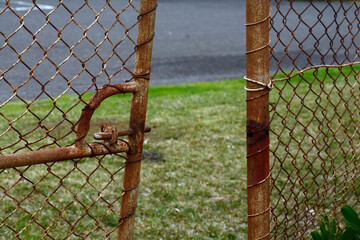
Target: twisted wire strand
x=314, y=67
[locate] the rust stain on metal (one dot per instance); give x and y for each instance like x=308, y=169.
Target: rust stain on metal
x=137, y=118
x=127, y=132
x=81, y=149
x=94, y=103
x=256, y=132
x=61, y=154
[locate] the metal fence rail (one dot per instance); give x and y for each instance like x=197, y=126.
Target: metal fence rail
x=58, y=62
x=315, y=113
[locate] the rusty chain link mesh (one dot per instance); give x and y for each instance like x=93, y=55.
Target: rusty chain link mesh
x=53, y=56
x=315, y=113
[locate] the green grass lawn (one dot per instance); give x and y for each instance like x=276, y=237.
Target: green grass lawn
x=197, y=192
x=193, y=185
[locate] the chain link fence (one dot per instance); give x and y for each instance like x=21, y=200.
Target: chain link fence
x=54, y=55
x=315, y=113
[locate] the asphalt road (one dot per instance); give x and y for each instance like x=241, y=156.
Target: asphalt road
x=195, y=41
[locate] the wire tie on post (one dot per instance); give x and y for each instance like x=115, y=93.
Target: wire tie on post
x=135, y=161
x=127, y=215
x=265, y=86
x=145, y=76
x=263, y=237
x=130, y=189
x=260, y=213
x=255, y=153
x=147, y=12
x=145, y=42
x=261, y=182
x=261, y=21
x=259, y=48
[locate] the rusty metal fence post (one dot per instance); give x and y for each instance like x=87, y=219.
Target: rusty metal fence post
x=137, y=118
x=257, y=120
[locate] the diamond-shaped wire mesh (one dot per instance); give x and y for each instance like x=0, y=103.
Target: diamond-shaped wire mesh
x=315, y=113
x=62, y=200
x=71, y=49
x=53, y=56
